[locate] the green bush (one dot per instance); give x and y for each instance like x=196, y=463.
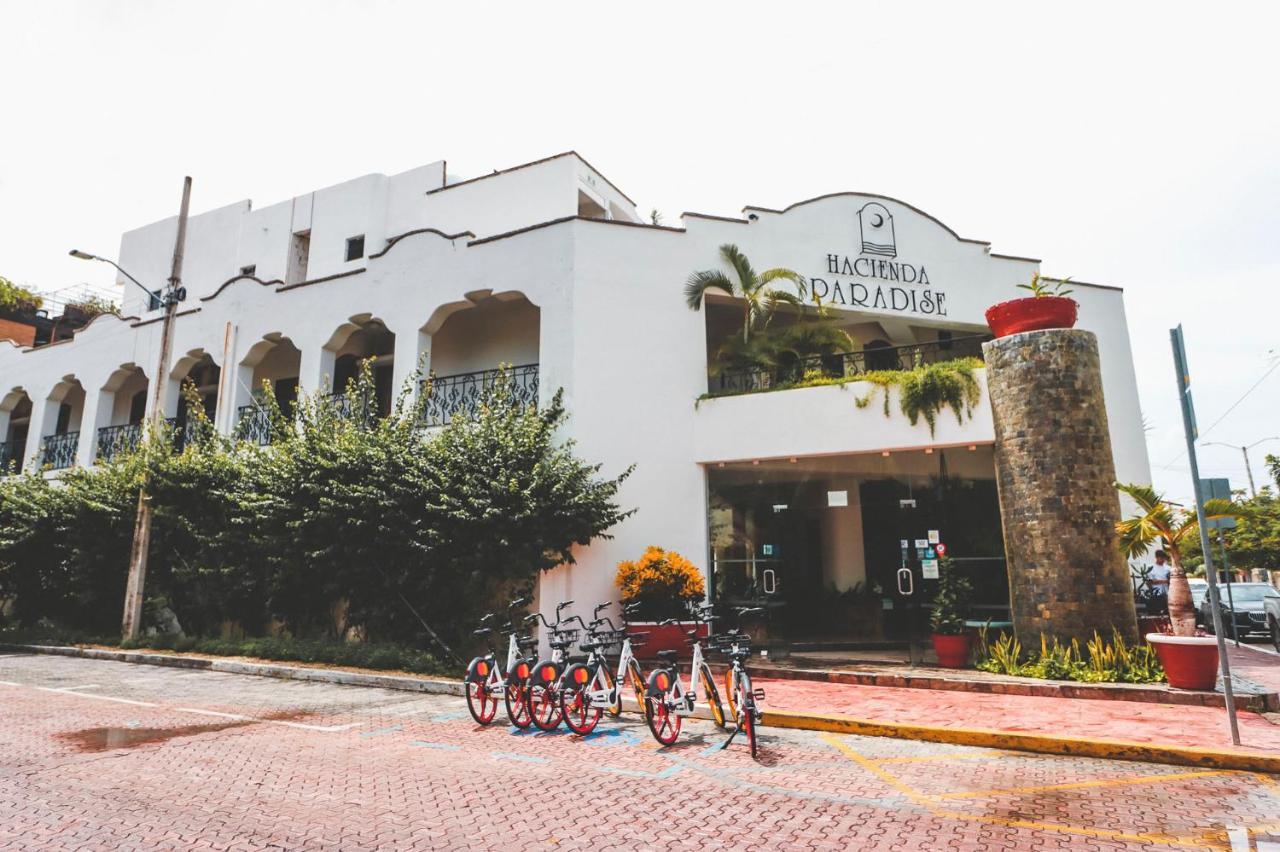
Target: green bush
x=1101, y=662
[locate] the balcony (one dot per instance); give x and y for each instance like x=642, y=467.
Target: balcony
x=11, y=457
x=253, y=423
x=118, y=440
x=464, y=393
x=59, y=451
x=848, y=365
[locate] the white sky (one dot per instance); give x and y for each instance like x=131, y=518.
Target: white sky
x=1123, y=143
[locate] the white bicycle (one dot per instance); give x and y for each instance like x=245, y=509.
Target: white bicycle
x=590, y=688
x=667, y=701
x=485, y=681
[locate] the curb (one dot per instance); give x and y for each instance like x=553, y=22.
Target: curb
x=283, y=672
x=979, y=737
x=1037, y=743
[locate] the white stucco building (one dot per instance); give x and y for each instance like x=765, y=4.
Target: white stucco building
x=780, y=494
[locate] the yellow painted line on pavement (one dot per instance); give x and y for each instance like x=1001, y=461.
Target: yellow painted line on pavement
x=1037, y=743
x=931, y=803
x=1082, y=785
x=933, y=758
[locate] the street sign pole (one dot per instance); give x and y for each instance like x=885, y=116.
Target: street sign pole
x=1189, y=427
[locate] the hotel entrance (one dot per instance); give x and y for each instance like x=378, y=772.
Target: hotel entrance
x=819, y=541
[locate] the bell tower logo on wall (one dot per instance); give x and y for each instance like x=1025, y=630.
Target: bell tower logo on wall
x=877, y=230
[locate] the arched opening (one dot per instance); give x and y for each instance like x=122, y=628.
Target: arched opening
x=15, y=419
x=469, y=342
x=880, y=355
x=273, y=361
x=198, y=370
x=60, y=430
x=358, y=341
x=122, y=408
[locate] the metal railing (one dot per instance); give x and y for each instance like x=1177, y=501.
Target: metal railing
x=118, y=440
x=846, y=364
x=253, y=423
x=183, y=433
x=59, y=451
x=11, y=457
x=464, y=393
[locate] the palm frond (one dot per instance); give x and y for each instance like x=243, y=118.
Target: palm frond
x=781, y=273
x=1144, y=495
x=747, y=279
x=695, y=289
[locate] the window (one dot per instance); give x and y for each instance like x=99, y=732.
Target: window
x=156, y=301
x=251, y=269
x=355, y=247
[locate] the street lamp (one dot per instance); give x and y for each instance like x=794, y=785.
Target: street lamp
x=173, y=294
x=1244, y=451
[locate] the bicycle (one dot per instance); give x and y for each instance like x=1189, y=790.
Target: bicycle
x=589, y=688
x=484, y=680
x=542, y=695
x=666, y=700
x=736, y=645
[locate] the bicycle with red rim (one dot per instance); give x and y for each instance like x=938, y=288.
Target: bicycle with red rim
x=485, y=680
x=667, y=701
x=589, y=688
x=542, y=693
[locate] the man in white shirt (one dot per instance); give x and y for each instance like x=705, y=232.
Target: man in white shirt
x=1158, y=580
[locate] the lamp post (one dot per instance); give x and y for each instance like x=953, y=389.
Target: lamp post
x=1244, y=450
x=132, y=621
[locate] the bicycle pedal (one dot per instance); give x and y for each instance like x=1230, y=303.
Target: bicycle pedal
x=758, y=695
x=688, y=698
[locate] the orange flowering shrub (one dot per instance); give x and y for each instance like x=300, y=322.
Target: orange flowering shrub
x=662, y=581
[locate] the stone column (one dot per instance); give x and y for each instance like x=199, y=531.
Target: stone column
x=1055, y=475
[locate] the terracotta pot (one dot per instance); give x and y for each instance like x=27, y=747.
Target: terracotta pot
x=1190, y=662
x=662, y=637
x=1031, y=314
x=952, y=651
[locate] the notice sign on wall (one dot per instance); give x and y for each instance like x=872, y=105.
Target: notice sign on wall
x=837, y=498
x=929, y=569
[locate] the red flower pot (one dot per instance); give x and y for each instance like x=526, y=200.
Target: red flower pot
x=1032, y=314
x=952, y=651
x=662, y=637
x=1190, y=662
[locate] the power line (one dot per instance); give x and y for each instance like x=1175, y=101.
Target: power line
x=1274, y=366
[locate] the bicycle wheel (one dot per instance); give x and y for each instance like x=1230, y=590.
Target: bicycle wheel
x=575, y=701
x=517, y=707
x=713, y=697
x=664, y=723
x=482, y=705
x=544, y=705
x=746, y=716
x=731, y=692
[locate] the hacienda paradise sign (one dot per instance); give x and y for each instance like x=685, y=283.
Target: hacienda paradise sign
x=876, y=278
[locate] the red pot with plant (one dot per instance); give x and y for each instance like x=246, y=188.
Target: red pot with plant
x=658, y=586
x=950, y=638
x=1190, y=662
x=1046, y=307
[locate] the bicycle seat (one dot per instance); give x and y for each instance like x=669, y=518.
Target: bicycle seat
x=668, y=655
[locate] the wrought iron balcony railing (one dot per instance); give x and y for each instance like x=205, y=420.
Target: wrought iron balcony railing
x=253, y=423
x=463, y=394
x=118, y=440
x=183, y=432
x=846, y=364
x=59, y=451
x=11, y=457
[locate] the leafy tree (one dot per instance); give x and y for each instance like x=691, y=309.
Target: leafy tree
x=14, y=297
x=1254, y=542
x=1157, y=524
x=759, y=297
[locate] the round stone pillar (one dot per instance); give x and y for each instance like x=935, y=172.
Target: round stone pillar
x=1055, y=476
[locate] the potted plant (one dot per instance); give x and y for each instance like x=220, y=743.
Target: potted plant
x=1190, y=661
x=950, y=639
x=1046, y=307
x=662, y=584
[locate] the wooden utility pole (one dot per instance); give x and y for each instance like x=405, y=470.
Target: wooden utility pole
x=132, y=623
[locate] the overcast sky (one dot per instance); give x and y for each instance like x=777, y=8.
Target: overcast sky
x=1125, y=144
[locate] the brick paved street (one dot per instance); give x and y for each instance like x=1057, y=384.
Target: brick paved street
x=100, y=754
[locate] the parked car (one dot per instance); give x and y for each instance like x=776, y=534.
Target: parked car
x=1271, y=605
x=1199, y=589
x=1249, y=615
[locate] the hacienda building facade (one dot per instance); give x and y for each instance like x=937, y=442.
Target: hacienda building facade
x=784, y=495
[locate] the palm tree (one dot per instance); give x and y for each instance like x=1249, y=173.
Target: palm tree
x=760, y=298
x=1154, y=522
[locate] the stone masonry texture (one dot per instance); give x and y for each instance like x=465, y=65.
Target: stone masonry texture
x=1055, y=475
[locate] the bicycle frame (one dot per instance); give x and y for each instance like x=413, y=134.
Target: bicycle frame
x=601, y=694
x=680, y=701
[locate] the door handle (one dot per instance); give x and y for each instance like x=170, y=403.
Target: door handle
x=906, y=582
x=769, y=581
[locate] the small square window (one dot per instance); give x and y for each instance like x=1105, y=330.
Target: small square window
x=251, y=269
x=355, y=247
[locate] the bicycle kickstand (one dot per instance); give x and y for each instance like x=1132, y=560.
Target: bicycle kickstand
x=736, y=730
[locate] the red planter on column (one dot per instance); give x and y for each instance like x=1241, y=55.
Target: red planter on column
x=952, y=651
x=1032, y=314
x=1190, y=662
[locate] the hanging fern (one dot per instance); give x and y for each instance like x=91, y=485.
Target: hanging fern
x=929, y=388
